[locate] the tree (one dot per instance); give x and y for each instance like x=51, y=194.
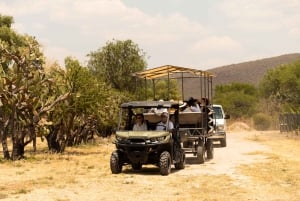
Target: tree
x=162, y=91
x=23, y=89
x=21, y=64
x=115, y=62
x=18, y=97
x=282, y=85
x=92, y=106
x=68, y=117
x=238, y=99
x=6, y=21
x=11, y=38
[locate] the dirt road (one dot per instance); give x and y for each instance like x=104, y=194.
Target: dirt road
x=84, y=174
x=227, y=159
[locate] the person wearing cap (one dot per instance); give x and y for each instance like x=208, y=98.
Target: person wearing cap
x=158, y=111
x=164, y=124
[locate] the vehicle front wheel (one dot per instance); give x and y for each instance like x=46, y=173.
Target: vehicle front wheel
x=223, y=142
x=165, y=163
x=115, y=163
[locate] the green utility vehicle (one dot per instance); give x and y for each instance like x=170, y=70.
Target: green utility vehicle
x=151, y=146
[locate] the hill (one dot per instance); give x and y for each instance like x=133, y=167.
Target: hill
x=250, y=72
x=247, y=72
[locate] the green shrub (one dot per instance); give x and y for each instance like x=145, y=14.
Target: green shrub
x=261, y=121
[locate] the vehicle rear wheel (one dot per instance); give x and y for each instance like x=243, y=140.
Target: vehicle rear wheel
x=223, y=142
x=115, y=163
x=200, y=153
x=181, y=164
x=165, y=163
x=210, y=149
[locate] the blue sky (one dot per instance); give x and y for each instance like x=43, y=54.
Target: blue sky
x=199, y=34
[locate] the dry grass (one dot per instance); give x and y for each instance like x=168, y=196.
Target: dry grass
x=42, y=169
x=280, y=171
x=83, y=173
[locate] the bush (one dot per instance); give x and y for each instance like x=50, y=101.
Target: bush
x=261, y=121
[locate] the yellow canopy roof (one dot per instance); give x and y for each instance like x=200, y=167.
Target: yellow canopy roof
x=168, y=70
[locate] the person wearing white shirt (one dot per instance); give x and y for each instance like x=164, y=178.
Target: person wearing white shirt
x=164, y=124
x=193, y=105
x=140, y=124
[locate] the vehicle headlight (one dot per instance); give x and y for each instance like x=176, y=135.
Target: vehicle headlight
x=220, y=127
x=157, y=139
x=118, y=138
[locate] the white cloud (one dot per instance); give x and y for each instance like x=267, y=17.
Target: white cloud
x=216, y=44
x=57, y=53
x=294, y=32
x=262, y=15
x=92, y=10
x=20, y=8
x=95, y=22
x=76, y=27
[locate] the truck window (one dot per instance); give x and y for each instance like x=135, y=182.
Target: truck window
x=218, y=113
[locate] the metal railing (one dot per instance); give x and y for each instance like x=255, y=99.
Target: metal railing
x=289, y=122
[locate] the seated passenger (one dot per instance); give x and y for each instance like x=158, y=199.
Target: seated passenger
x=140, y=124
x=164, y=124
x=192, y=105
x=204, y=103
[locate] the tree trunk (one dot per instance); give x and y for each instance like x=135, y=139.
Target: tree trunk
x=18, y=149
x=55, y=139
x=3, y=138
x=17, y=138
x=34, y=143
x=51, y=138
x=4, y=144
x=30, y=131
x=18, y=144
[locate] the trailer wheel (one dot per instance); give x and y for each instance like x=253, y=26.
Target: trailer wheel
x=165, y=163
x=210, y=149
x=201, y=153
x=115, y=163
x=181, y=164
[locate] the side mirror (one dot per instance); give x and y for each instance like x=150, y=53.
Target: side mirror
x=227, y=116
x=114, y=130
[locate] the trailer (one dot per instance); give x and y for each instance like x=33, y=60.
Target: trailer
x=195, y=128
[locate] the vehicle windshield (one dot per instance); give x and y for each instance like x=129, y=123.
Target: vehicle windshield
x=218, y=113
x=141, y=119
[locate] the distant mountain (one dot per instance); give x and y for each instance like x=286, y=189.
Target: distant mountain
x=247, y=72
x=250, y=72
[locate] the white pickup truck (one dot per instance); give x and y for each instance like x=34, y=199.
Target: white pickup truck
x=220, y=125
